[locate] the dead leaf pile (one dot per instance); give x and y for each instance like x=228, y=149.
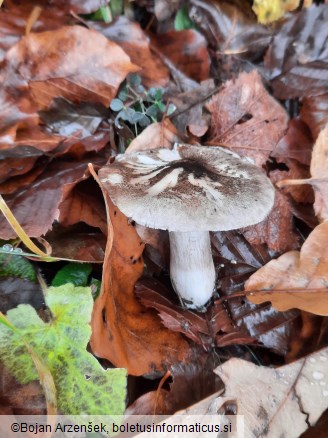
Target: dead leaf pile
x=260, y=91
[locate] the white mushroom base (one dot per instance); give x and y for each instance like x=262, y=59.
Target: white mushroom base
x=191, y=267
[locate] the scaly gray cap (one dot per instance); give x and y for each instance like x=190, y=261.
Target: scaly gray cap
x=189, y=188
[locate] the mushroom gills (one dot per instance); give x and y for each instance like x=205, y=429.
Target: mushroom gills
x=191, y=267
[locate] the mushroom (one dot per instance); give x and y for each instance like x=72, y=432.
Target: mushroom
x=189, y=191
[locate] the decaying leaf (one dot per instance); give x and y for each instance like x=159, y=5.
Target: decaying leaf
x=275, y=402
x=296, y=279
x=187, y=49
x=314, y=112
x=319, y=180
x=82, y=384
x=60, y=63
x=46, y=192
x=157, y=135
x=246, y=118
x=135, y=42
x=297, y=59
x=229, y=28
x=122, y=330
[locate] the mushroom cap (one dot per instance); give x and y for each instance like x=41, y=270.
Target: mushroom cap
x=188, y=188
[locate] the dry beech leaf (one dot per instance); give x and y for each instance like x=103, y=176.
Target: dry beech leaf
x=157, y=135
x=277, y=230
x=314, y=112
x=135, y=42
x=123, y=331
x=275, y=402
x=187, y=49
x=246, y=118
x=297, y=59
x=319, y=180
x=72, y=62
x=229, y=28
x=37, y=206
x=296, y=279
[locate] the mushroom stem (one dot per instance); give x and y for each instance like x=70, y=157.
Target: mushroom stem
x=191, y=267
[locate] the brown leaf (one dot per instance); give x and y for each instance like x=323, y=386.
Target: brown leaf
x=277, y=230
x=246, y=118
x=14, y=17
x=122, y=330
x=237, y=261
x=73, y=244
x=37, y=206
x=200, y=328
x=319, y=180
x=314, y=112
x=190, y=108
x=157, y=135
x=297, y=59
x=296, y=144
x=229, y=28
x=71, y=62
x=187, y=49
x=83, y=205
x=296, y=279
x=133, y=40
x=190, y=382
x=67, y=119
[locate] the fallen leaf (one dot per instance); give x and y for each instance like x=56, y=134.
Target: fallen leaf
x=189, y=114
x=275, y=402
x=72, y=62
x=20, y=399
x=319, y=180
x=230, y=29
x=277, y=230
x=45, y=191
x=235, y=260
x=314, y=112
x=14, y=18
x=246, y=118
x=72, y=244
x=216, y=327
x=122, y=330
x=296, y=144
x=157, y=135
x=135, y=42
x=296, y=61
x=296, y=279
x=66, y=119
x=190, y=383
x=187, y=49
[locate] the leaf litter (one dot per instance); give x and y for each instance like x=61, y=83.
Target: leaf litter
x=57, y=116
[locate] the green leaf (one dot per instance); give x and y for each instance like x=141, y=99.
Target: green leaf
x=161, y=106
x=44, y=374
x=134, y=80
x=116, y=105
x=182, y=20
x=171, y=109
x=83, y=386
x=123, y=94
x=16, y=266
x=152, y=111
x=75, y=273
